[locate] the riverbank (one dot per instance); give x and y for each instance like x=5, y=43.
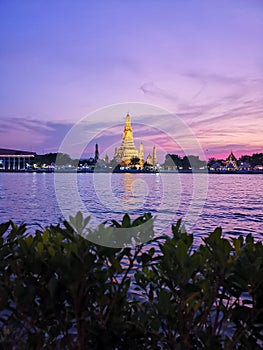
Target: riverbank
x=134, y=171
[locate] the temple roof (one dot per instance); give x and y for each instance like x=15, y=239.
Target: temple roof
x=231, y=157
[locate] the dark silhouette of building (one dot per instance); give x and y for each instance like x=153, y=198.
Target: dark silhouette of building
x=96, y=152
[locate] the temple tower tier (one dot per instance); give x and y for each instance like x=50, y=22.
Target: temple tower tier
x=154, y=156
x=141, y=155
x=127, y=149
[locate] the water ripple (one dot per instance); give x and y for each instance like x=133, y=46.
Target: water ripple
x=233, y=202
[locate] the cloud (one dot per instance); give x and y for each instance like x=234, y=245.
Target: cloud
x=207, y=77
x=32, y=134
x=216, y=126
x=150, y=88
x=178, y=90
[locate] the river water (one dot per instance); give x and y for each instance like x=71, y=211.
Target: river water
x=232, y=201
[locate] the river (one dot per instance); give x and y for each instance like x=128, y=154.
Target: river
x=232, y=201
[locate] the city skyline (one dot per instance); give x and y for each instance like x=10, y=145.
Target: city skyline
x=200, y=61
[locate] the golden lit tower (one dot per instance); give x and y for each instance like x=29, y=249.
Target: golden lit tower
x=149, y=159
x=141, y=155
x=106, y=158
x=127, y=149
x=154, y=156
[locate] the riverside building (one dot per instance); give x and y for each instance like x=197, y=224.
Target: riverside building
x=15, y=160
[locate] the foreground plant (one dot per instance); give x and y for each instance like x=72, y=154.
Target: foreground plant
x=60, y=291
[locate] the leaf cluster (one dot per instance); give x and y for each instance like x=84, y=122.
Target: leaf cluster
x=58, y=290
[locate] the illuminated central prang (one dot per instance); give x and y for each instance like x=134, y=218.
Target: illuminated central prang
x=127, y=153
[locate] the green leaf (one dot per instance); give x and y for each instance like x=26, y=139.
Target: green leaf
x=87, y=220
x=176, y=228
x=115, y=223
x=181, y=252
x=77, y=222
x=51, y=250
x=249, y=239
x=164, y=303
x=237, y=244
x=4, y=227
x=126, y=221
x=216, y=234
x=45, y=236
x=29, y=240
x=40, y=247
x=142, y=220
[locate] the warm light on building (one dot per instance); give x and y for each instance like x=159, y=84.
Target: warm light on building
x=128, y=151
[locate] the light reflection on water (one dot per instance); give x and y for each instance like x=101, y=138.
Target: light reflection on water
x=233, y=202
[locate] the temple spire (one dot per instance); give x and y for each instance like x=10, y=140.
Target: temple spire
x=128, y=121
x=96, y=152
x=141, y=155
x=127, y=149
x=127, y=132
x=154, y=156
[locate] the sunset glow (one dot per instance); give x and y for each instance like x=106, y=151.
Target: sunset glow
x=200, y=60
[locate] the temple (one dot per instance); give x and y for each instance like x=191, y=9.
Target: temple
x=127, y=150
x=128, y=154
x=231, y=162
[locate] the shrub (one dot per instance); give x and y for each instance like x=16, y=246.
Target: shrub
x=58, y=290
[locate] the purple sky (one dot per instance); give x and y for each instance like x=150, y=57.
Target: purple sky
x=201, y=60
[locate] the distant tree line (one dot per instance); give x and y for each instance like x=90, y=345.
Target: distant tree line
x=255, y=159
x=51, y=158
x=61, y=159
x=171, y=160
x=174, y=160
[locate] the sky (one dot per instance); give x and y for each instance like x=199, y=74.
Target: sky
x=200, y=62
